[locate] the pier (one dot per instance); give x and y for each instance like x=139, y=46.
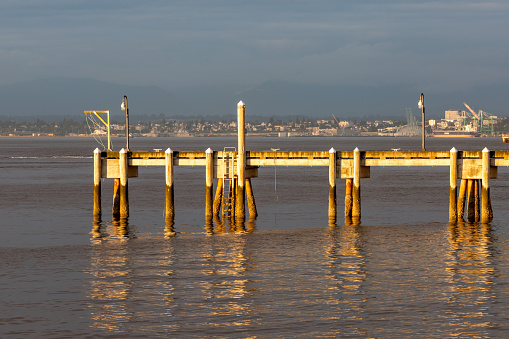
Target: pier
x=233, y=168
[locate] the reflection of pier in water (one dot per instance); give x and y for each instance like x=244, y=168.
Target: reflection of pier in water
x=234, y=168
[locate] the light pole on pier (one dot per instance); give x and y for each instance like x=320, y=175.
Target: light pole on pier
x=421, y=105
x=124, y=107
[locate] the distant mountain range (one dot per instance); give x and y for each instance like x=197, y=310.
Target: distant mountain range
x=64, y=97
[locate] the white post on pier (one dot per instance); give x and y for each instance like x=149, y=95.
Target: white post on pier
x=356, y=189
x=97, y=183
x=124, y=199
x=170, y=207
x=240, y=207
x=486, y=211
x=209, y=178
x=453, y=178
x=332, y=186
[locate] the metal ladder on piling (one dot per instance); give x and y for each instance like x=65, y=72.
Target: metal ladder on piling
x=229, y=166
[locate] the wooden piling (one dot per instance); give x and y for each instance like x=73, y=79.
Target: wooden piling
x=124, y=194
x=332, y=185
x=115, y=210
x=251, y=204
x=170, y=207
x=356, y=187
x=97, y=184
x=471, y=201
x=462, y=198
x=348, y=198
x=477, y=213
x=209, y=178
x=486, y=211
x=453, y=200
x=240, y=207
x=218, y=198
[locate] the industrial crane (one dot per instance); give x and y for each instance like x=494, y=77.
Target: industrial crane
x=479, y=120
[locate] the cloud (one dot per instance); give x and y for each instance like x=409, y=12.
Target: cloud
x=183, y=43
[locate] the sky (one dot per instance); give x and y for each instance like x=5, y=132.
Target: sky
x=433, y=46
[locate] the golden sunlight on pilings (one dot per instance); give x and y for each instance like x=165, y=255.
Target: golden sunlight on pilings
x=332, y=186
x=453, y=200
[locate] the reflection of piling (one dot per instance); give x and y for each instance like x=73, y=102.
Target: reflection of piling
x=332, y=186
x=486, y=211
x=251, y=204
x=124, y=198
x=97, y=184
x=356, y=188
x=240, y=207
x=453, y=200
x=170, y=208
x=462, y=198
x=209, y=178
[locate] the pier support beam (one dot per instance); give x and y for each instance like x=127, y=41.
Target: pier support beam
x=471, y=201
x=209, y=178
x=97, y=184
x=486, y=211
x=170, y=207
x=240, y=207
x=332, y=186
x=348, y=198
x=453, y=200
x=356, y=189
x=251, y=204
x=219, y=197
x=461, y=198
x=115, y=210
x=477, y=212
x=124, y=193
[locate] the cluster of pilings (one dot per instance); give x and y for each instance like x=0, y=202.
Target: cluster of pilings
x=468, y=196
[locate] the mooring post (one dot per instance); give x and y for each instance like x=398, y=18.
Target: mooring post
x=486, y=211
x=124, y=198
x=240, y=208
x=209, y=178
x=461, y=198
x=332, y=185
x=251, y=204
x=453, y=200
x=356, y=189
x=97, y=183
x=170, y=207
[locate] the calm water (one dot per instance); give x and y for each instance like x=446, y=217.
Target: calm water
x=404, y=272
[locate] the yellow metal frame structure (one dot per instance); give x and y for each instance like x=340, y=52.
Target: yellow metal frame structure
x=105, y=122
